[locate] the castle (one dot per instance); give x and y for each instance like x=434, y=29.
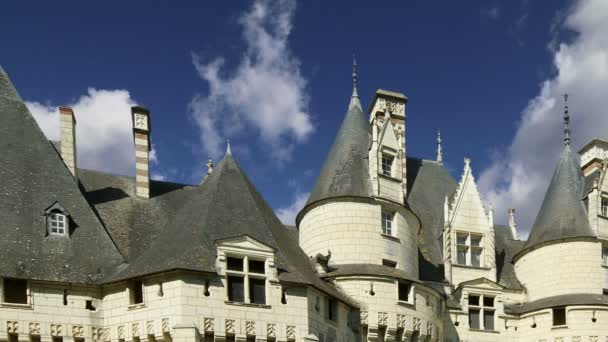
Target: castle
x=388, y=247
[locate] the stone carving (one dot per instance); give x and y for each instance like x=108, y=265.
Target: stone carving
x=559, y=339
x=208, y=324
x=121, y=331
x=230, y=326
x=400, y=321
x=364, y=316
x=12, y=327
x=56, y=330
x=416, y=324
x=135, y=329
x=393, y=107
x=593, y=338
x=77, y=331
x=250, y=328
x=150, y=327
x=382, y=318
x=165, y=324
x=576, y=339
x=105, y=335
x=95, y=333
x=291, y=332
x=271, y=330
x=34, y=328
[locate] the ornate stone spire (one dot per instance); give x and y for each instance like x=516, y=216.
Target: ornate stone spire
x=439, y=148
x=566, y=121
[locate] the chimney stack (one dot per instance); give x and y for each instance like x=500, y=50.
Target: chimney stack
x=68, y=139
x=141, y=135
x=512, y=224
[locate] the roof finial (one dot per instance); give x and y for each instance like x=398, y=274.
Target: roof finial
x=228, y=150
x=439, y=148
x=355, y=93
x=566, y=121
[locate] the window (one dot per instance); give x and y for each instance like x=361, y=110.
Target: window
x=15, y=291
x=469, y=249
x=387, y=223
x=387, y=165
x=604, y=207
x=559, y=316
x=605, y=254
x=403, y=292
x=136, y=293
x=332, y=309
x=481, y=312
x=57, y=223
x=389, y=263
x=246, y=279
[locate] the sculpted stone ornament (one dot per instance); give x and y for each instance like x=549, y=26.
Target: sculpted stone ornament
x=208, y=324
x=121, y=331
x=165, y=325
x=34, y=328
x=12, y=327
x=291, y=332
x=250, y=328
x=230, y=326
x=271, y=329
x=382, y=318
x=56, y=330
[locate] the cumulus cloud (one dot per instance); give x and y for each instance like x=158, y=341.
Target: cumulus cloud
x=265, y=94
x=519, y=175
x=288, y=214
x=104, y=134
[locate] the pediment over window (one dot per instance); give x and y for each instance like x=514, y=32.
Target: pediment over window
x=244, y=244
x=481, y=283
x=56, y=207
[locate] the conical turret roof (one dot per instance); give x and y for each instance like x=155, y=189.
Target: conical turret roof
x=7, y=90
x=346, y=168
x=562, y=214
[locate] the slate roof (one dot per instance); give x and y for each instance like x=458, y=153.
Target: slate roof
x=346, y=168
x=562, y=300
x=506, y=248
x=562, y=214
x=32, y=178
x=588, y=182
x=428, y=183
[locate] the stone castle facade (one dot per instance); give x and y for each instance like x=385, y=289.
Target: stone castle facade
x=389, y=247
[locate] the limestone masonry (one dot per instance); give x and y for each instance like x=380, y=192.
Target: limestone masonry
x=389, y=247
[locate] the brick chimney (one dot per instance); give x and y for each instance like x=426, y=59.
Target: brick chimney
x=141, y=135
x=68, y=139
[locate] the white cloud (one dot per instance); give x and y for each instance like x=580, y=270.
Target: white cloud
x=104, y=136
x=519, y=176
x=288, y=214
x=265, y=94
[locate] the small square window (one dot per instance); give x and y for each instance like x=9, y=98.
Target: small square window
x=474, y=300
x=234, y=264
x=137, y=292
x=389, y=263
x=461, y=239
x=559, y=316
x=404, y=291
x=15, y=291
x=387, y=165
x=257, y=266
x=475, y=240
x=488, y=302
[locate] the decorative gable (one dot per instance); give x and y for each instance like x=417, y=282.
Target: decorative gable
x=387, y=136
x=481, y=284
x=466, y=210
x=243, y=244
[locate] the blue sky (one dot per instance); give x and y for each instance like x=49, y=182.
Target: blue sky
x=275, y=78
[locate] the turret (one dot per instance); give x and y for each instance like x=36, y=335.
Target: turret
x=562, y=255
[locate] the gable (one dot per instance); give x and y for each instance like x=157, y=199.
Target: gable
x=387, y=136
x=245, y=244
x=481, y=284
x=467, y=210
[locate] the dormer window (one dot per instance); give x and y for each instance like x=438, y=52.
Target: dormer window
x=387, y=165
x=57, y=224
x=246, y=279
x=470, y=249
x=57, y=220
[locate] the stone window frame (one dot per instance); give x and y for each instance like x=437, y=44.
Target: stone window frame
x=603, y=205
x=553, y=317
x=246, y=247
x=387, y=162
x=29, y=295
x=410, y=292
x=332, y=309
x=247, y=275
x=482, y=308
x=468, y=247
x=392, y=230
x=130, y=291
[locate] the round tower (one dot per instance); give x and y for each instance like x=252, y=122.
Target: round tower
x=358, y=230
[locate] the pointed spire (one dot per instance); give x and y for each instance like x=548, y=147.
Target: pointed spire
x=6, y=87
x=355, y=93
x=228, y=150
x=439, y=148
x=566, y=121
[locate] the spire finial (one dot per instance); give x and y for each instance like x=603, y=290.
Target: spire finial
x=355, y=93
x=228, y=150
x=566, y=121
x=439, y=148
